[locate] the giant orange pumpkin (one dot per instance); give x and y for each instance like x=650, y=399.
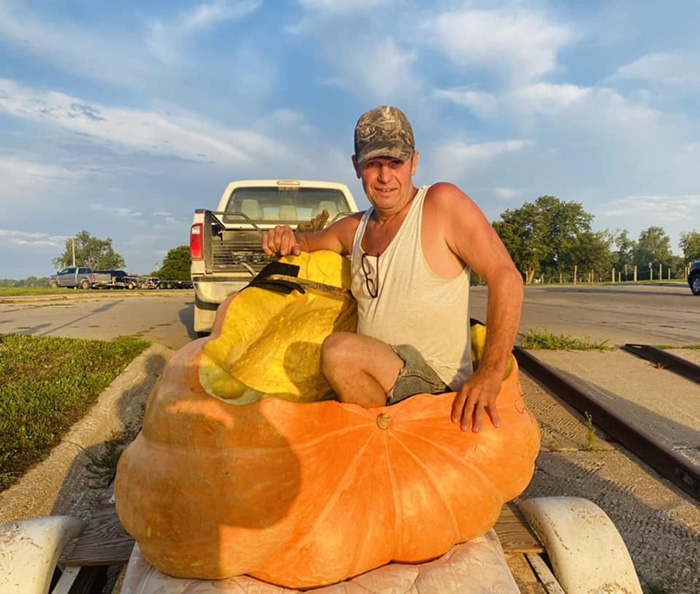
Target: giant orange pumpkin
x=303, y=494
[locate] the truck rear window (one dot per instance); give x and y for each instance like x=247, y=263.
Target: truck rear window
x=284, y=204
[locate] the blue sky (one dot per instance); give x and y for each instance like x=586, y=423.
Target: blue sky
x=122, y=118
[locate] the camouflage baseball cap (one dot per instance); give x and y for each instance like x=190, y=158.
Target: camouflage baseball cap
x=383, y=132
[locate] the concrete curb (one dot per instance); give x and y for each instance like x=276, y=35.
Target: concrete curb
x=57, y=485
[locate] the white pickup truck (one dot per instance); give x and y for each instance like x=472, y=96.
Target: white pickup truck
x=226, y=244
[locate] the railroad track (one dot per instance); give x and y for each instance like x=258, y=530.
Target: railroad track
x=668, y=463
x=665, y=360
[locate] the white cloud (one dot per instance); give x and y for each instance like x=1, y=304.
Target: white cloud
x=208, y=14
x=286, y=119
x=123, y=212
x=557, y=115
x=521, y=44
x=85, y=52
x=25, y=182
x=453, y=160
x=142, y=240
x=662, y=208
x=152, y=132
x=341, y=6
x=480, y=102
x=27, y=172
x=464, y=152
x=26, y=238
x=539, y=98
x=505, y=194
x=548, y=98
x=362, y=54
x=393, y=80
x=166, y=37
x=121, y=55
x=681, y=71
x=156, y=221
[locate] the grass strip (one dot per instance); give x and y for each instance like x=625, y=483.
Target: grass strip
x=545, y=340
x=694, y=347
x=19, y=291
x=46, y=385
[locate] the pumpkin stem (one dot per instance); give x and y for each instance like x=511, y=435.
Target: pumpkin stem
x=384, y=421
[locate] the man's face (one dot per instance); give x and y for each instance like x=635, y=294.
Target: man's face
x=388, y=182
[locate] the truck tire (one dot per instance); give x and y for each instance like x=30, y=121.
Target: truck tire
x=53, y=284
x=85, y=284
x=131, y=285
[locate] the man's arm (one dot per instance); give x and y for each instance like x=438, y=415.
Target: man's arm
x=472, y=238
x=283, y=240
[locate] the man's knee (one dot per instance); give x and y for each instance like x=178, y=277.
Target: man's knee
x=336, y=349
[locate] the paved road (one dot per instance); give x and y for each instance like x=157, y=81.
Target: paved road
x=619, y=314
x=164, y=317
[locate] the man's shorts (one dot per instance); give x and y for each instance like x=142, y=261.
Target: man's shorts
x=416, y=377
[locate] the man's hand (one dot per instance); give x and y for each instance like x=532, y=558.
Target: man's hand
x=477, y=395
x=280, y=240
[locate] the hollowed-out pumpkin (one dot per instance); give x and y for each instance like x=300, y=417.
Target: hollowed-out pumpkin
x=224, y=480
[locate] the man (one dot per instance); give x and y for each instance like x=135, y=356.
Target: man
x=412, y=253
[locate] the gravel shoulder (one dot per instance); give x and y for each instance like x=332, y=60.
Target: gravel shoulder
x=659, y=523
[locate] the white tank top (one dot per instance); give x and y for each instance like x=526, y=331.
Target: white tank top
x=414, y=305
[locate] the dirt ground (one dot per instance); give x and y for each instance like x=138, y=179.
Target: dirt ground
x=658, y=522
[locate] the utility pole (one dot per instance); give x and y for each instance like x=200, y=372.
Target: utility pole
x=73, y=242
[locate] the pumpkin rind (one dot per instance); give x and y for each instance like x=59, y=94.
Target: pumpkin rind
x=303, y=495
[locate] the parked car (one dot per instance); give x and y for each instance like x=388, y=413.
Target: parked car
x=117, y=279
x=116, y=275
x=694, y=278
x=78, y=276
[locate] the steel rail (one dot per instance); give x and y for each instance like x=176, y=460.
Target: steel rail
x=680, y=471
x=666, y=360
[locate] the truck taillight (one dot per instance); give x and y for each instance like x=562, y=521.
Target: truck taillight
x=196, y=248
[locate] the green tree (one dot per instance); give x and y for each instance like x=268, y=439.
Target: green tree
x=591, y=253
x=520, y=234
x=91, y=252
x=653, y=248
x=690, y=244
x=176, y=265
x=548, y=236
x=33, y=281
x=626, y=248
